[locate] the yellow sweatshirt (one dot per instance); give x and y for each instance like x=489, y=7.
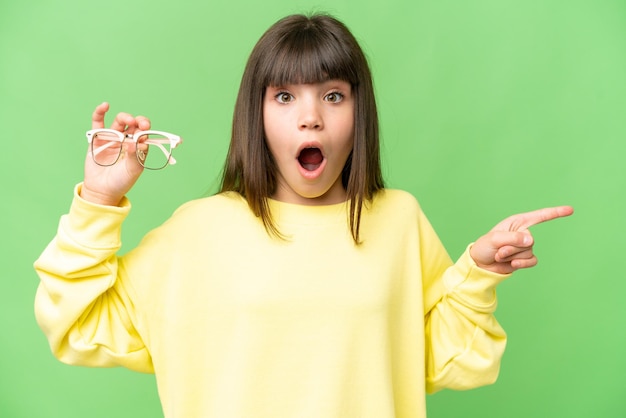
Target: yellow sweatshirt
x=238, y=324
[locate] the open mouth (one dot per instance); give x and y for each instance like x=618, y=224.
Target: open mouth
x=310, y=158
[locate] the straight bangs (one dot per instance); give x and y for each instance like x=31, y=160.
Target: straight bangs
x=307, y=55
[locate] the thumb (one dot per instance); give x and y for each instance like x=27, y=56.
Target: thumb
x=485, y=249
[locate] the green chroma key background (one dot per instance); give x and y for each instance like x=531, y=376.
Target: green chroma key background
x=488, y=108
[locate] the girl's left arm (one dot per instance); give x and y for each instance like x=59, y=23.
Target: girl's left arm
x=464, y=342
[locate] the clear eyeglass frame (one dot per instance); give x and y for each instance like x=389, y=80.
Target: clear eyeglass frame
x=106, y=146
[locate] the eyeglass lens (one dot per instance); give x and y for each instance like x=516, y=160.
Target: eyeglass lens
x=106, y=148
x=153, y=150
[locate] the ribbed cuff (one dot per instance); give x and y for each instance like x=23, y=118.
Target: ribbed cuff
x=475, y=284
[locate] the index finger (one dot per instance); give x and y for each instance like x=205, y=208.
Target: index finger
x=528, y=219
x=97, y=118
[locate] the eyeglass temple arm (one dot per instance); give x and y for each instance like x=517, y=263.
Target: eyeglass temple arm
x=158, y=143
x=103, y=147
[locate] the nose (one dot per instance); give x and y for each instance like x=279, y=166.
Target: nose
x=310, y=116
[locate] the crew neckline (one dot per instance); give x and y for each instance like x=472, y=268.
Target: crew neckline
x=284, y=212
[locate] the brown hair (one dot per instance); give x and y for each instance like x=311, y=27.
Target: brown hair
x=302, y=49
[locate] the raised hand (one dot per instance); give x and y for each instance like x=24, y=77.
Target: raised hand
x=509, y=245
x=108, y=185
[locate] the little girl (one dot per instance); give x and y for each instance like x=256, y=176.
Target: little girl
x=304, y=288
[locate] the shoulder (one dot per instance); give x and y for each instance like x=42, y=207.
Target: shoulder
x=216, y=203
x=392, y=217
x=396, y=201
x=223, y=208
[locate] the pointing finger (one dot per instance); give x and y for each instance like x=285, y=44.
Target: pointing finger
x=526, y=220
x=546, y=214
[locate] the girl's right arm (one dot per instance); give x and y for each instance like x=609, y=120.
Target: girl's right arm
x=84, y=308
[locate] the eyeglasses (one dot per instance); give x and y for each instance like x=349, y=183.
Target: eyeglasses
x=153, y=149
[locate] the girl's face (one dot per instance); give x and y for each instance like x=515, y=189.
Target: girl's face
x=309, y=130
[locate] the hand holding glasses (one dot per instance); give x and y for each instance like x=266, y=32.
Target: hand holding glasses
x=153, y=149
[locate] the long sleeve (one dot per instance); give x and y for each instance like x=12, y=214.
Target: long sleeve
x=464, y=342
x=82, y=307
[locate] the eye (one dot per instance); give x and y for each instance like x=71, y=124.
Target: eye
x=334, y=97
x=284, y=97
